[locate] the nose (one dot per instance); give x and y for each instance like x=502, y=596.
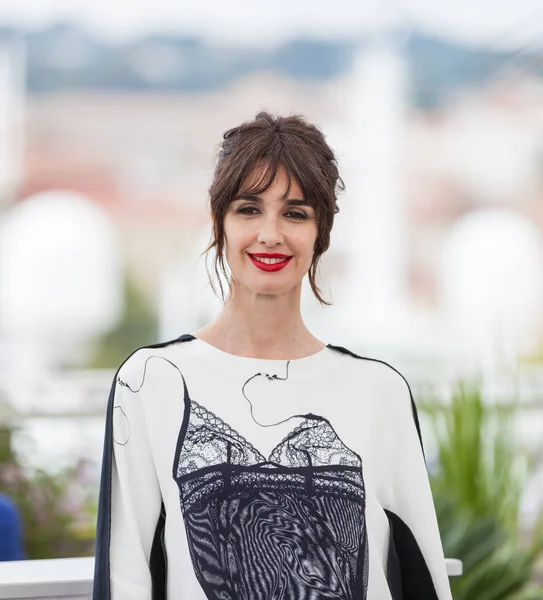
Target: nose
x=270, y=232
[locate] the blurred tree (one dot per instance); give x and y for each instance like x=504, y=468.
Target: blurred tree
x=138, y=327
x=57, y=511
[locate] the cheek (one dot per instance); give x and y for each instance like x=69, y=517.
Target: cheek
x=306, y=249
x=236, y=239
x=231, y=235
x=308, y=242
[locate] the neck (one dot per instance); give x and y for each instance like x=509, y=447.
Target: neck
x=262, y=326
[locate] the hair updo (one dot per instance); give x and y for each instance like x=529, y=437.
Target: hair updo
x=301, y=150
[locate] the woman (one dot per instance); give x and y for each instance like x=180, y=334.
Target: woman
x=251, y=460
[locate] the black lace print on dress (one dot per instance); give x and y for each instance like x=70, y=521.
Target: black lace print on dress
x=287, y=527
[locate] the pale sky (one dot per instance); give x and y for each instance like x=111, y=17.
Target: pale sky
x=495, y=22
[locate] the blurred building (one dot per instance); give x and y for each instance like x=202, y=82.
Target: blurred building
x=148, y=159
x=12, y=108
x=485, y=150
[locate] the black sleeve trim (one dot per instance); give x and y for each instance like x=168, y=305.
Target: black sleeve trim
x=407, y=572
x=413, y=405
x=158, y=563
x=102, y=584
x=394, y=572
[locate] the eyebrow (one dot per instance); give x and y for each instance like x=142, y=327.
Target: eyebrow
x=258, y=200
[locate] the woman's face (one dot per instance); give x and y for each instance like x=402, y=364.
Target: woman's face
x=269, y=240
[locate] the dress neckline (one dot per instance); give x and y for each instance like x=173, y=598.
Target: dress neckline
x=210, y=349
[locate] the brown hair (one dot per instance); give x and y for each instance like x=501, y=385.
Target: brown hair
x=288, y=142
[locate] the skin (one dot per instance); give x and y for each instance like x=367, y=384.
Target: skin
x=261, y=317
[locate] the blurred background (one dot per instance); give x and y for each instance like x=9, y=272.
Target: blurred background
x=110, y=119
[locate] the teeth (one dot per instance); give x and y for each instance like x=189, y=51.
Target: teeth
x=270, y=261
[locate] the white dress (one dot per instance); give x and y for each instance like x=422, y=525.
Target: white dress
x=233, y=478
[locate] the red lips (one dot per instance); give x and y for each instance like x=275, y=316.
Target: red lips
x=270, y=267
x=270, y=255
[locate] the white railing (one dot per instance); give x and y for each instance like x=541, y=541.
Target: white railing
x=71, y=578
x=66, y=578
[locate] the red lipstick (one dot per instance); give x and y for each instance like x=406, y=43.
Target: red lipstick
x=269, y=255
x=269, y=267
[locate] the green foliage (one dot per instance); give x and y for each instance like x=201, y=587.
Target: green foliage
x=57, y=510
x=477, y=492
x=137, y=327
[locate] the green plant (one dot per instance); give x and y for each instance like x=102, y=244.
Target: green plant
x=57, y=510
x=477, y=490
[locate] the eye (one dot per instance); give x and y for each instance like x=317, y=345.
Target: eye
x=247, y=210
x=297, y=216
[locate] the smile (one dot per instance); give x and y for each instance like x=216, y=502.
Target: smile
x=272, y=263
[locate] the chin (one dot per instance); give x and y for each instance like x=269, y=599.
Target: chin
x=269, y=290
x=269, y=284
x=274, y=290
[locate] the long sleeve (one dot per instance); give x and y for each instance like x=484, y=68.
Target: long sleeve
x=416, y=562
x=130, y=513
